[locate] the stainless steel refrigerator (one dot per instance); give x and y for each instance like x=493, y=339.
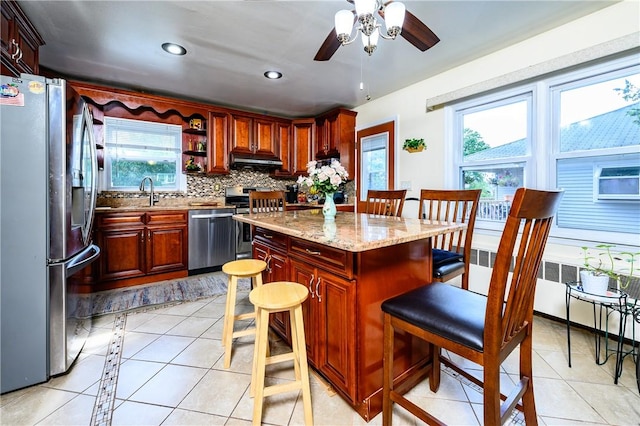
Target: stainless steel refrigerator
x=47, y=201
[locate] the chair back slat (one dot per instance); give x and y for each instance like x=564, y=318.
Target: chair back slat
x=267, y=201
x=385, y=203
x=451, y=206
x=525, y=235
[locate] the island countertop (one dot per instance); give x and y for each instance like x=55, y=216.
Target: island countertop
x=354, y=232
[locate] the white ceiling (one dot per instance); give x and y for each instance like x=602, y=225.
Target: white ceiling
x=231, y=44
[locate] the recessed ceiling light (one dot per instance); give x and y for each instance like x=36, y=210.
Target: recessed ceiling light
x=174, y=49
x=273, y=75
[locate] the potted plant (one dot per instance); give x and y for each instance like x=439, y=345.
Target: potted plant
x=414, y=145
x=598, y=269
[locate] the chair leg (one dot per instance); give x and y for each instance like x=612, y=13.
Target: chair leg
x=229, y=319
x=434, y=374
x=526, y=370
x=261, y=354
x=254, y=366
x=492, y=401
x=301, y=357
x=387, y=382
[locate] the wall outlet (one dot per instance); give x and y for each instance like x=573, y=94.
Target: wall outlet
x=216, y=187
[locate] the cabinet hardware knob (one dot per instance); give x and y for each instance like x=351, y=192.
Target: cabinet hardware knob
x=268, y=260
x=13, y=42
x=316, y=253
x=268, y=236
x=19, y=57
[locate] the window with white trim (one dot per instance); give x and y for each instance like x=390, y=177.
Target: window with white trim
x=578, y=131
x=135, y=149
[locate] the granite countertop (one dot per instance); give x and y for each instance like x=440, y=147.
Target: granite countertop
x=115, y=205
x=353, y=232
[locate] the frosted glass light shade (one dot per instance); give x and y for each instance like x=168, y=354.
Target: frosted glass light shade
x=394, y=15
x=372, y=40
x=344, y=22
x=364, y=7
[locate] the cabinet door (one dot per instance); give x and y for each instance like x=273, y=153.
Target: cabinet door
x=336, y=322
x=166, y=248
x=265, y=137
x=303, y=148
x=218, y=160
x=241, y=135
x=285, y=148
x=122, y=253
x=278, y=271
x=306, y=275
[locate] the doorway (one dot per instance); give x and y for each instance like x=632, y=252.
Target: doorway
x=375, y=161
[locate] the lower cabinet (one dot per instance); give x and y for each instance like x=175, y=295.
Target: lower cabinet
x=277, y=270
x=140, y=244
x=329, y=322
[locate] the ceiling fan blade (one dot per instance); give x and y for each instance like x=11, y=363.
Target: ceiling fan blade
x=417, y=33
x=329, y=47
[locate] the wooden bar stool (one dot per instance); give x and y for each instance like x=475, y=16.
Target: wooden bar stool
x=244, y=268
x=270, y=298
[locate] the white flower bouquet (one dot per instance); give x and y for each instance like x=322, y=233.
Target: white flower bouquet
x=325, y=179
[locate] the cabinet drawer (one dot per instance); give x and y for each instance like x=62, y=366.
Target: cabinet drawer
x=120, y=219
x=271, y=238
x=332, y=259
x=155, y=218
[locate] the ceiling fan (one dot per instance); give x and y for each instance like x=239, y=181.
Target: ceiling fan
x=411, y=28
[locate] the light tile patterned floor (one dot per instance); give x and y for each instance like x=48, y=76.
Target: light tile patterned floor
x=171, y=374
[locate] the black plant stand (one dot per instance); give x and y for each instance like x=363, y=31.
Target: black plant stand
x=613, y=301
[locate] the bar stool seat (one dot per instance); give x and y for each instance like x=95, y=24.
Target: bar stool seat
x=270, y=298
x=244, y=268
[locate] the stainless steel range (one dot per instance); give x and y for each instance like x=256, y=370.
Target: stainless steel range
x=238, y=196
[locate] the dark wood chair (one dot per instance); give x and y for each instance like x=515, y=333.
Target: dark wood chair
x=482, y=329
x=385, y=203
x=267, y=201
x=451, y=252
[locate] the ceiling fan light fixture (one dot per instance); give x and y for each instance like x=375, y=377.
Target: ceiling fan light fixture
x=174, y=49
x=344, y=25
x=365, y=7
x=273, y=75
x=394, y=18
x=370, y=42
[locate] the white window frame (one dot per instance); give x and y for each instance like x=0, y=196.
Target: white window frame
x=104, y=178
x=544, y=140
x=597, y=177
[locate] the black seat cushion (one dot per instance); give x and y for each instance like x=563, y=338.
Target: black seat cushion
x=445, y=310
x=446, y=262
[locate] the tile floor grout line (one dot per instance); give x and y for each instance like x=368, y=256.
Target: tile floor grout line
x=105, y=399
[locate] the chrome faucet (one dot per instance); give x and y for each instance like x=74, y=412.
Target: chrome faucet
x=152, y=197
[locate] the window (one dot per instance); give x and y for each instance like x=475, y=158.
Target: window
x=579, y=131
x=495, y=152
x=136, y=149
x=374, y=163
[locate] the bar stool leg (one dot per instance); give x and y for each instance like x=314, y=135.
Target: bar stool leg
x=261, y=355
x=229, y=318
x=301, y=356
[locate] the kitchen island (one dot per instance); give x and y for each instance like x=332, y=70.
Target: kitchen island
x=350, y=267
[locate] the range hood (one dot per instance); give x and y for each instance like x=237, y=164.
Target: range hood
x=256, y=162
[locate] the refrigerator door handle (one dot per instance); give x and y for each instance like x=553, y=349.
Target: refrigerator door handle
x=88, y=127
x=84, y=258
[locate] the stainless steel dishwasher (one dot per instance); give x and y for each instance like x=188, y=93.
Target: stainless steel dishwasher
x=211, y=239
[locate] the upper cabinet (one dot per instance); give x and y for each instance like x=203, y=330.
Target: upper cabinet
x=285, y=148
x=217, y=158
x=303, y=144
x=253, y=135
x=336, y=137
x=20, y=41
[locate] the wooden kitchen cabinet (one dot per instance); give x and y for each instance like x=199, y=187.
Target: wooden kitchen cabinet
x=285, y=149
x=329, y=323
x=195, y=143
x=217, y=158
x=303, y=144
x=253, y=135
x=272, y=248
x=336, y=137
x=138, y=247
x=20, y=41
